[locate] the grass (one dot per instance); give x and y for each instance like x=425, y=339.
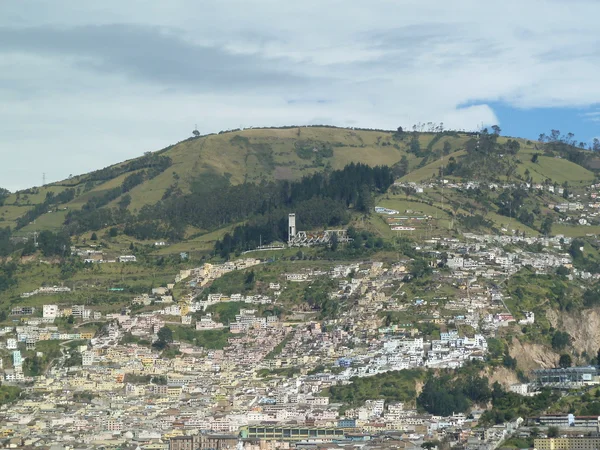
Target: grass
x=209, y=339
x=510, y=224
x=575, y=230
x=225, y=312
x=439, y=224
x=394, y=386
x=89, y=285
x=51, y=221
x=431, y=169
x=556, y=169
x=202, y=244
x=269, y=154
x=219, y=154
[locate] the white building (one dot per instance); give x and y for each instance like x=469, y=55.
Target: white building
x=50, y=311
x=17, y=358
x=87, y=358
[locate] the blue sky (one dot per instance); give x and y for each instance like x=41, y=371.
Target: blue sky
x=529, y=123
x=87, y=84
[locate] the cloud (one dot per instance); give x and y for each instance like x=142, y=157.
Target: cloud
x=92, y=83
x=147, y=53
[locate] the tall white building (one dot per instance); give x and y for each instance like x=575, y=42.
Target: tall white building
x=17, y=358
x=50, y=311
x=291, y=227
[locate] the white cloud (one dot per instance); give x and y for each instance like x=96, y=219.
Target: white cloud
x=86, y=84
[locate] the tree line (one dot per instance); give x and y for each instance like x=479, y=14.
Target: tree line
x=320, y=199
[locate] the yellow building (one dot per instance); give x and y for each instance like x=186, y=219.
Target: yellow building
x=567, y=443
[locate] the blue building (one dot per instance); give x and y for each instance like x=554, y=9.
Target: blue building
x=347, y=423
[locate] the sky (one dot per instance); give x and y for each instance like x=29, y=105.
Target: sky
x=87, y=84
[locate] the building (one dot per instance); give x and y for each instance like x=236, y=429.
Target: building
x=291, y=227
x=183, y=443
x=520, y=388
x=204, y=442
x=127, y=258
x=17, y=358
x=23, y=311
x=87, y=358
x=50, y=311
x=568, y=378
x=566, y=421
x=77, y=311
x=292, y=433
x=567, y=443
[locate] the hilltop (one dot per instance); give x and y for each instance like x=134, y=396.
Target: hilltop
x=205, y=165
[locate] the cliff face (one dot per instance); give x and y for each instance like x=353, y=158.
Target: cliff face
x=584, y=329
x=502, y=375
x=532, y=356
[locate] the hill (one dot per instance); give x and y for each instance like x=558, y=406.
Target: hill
x=208, y=164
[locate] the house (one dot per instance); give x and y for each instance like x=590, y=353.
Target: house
x=127, y=258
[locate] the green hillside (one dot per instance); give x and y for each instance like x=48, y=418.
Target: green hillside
x=257, y=155
x=250, y=155
x=555, y=169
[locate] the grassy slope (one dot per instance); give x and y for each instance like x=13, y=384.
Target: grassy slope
x=431, y=169
x=218, y=154
x=224, y=154
x=555, y=169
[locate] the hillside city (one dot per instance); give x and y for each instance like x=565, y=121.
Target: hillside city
x=446, y=297
x=270, y=381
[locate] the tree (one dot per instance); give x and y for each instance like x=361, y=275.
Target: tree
x=447, y=148
x=535, y=157
x=250, y=281
x=546, y=227
x=496, y=129
x=420, y=268
x=596, y=145
x=125, y=201
x=365, y=200
x=552, y=432
x=565, y=361
x=113, y=232
x=94, y=237
x=196, y=133
x=403, y=165
x=560, y=340
x=334, y=242
x=562, y=271
x=415, y=146
x=165, y=334
x=4, y=193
